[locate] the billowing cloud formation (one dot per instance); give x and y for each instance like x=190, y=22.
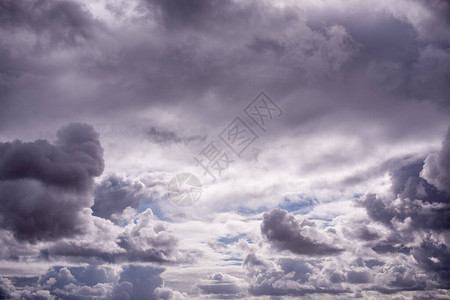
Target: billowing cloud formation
x=144, y=240
x=295, y=277
x=413, y=200
x=44, y=188
x=116, y=193
x=94, y=282
x=437, y=167
x=364, y=90
x=287, y=232
x=396, y=241
x=417, y=214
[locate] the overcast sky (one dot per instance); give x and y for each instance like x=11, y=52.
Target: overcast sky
x=318, y=130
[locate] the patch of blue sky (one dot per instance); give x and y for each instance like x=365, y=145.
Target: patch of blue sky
x=232, y=239
x=236, y=259
x=296, y=203
x=154, y=206
x=249, y=211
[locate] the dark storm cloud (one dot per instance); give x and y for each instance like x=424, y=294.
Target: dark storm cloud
x=166, y=137
x=115, y=193
x=417, y=200
x=143, y=280
x=75, y=158
x=413, y=206
x=134, y=67
x=395, y=163
x=405, y=59
x=435, y=257
x=118, y=197
x=6, y=288
x=45, y=187
x=286, y=232
x=346, y=68
x=145, y=70
x=92, y=282
x=188, y=13
x=59, y=21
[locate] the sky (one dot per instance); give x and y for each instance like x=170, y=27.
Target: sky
x=234, y=149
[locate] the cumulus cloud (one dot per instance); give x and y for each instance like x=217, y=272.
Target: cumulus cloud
x=44, y=187
x=7, y=290
x=293, y=277
x=437, y=166
x=146, y=239
x=416, y=215
x=435, y=257
x=115, y=193
x=287, y=232
x=138, y=282
x=223, y=286
x=412, y=200
x=94, y=282
x=165, y=293
x=400, y=247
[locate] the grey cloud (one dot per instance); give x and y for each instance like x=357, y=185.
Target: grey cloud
x=145, y=240
x=165, y=293
x=291, y=277
x=134, y=282
x=53, y=183
x=223, y=286
x=389, y=274
x=191, y=13
x=198, y=64
x=143, y=279
x=75, y=158
x=413, y=199
x=436, y=28
x=358, y=277
x=437, y=166
x=143, y=244
x=115, y=193
x=435, y=257
x=201, y=63
x=286, y=232
x=166, y=137
x=414, y=205
x=356, y=69
x=7, y=290
x=118, y=197
x=59, y=21
x=92, y=282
